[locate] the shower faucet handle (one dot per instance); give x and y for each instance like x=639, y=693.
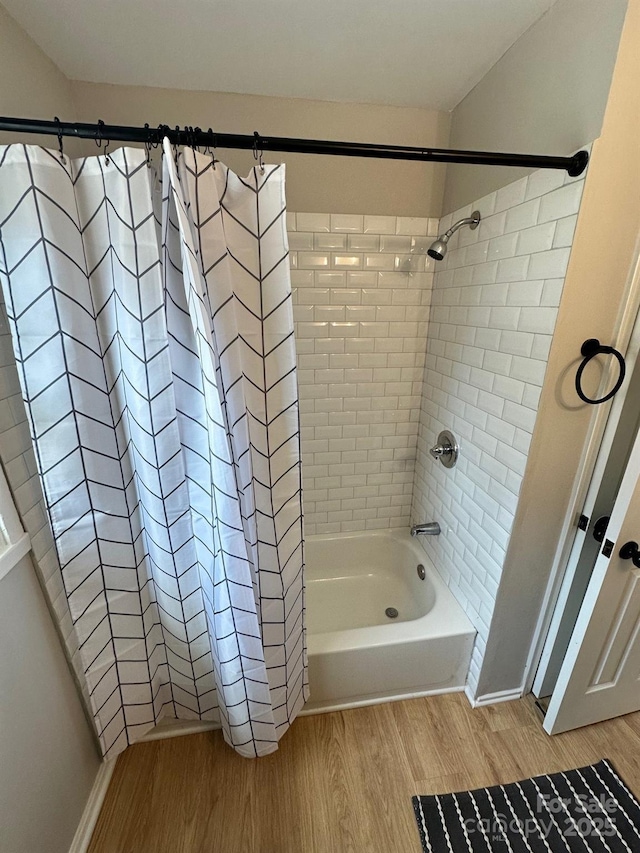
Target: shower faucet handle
x=440, y=450
x=446, y=449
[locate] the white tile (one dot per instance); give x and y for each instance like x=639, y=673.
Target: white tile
x=300, y=240
x=291, y=222
x=419, y=245
x=544, y=181
x=301, y=278
x=541, y=347
x=491, y=226
x=364, y=242
x=511, y=195
x=513, y=269
x=536, y=239
x=409, y=263
x=433, y=226
x=565, y=230
x=347, y=222
x=379, y=262
x=344, y=330
x=360, y=313
x=362, y=279
x=502, y=247
x=302, y=313
x=394, y=243
x=531, y=397
x=522, y=216
x=329, y=241
x=552, y=292
x=519, y=416
x=393, y=313
x=528, y=370
x=314, y=296
x=312, y=260
x=346, y=261
x=516, y=343
x=376, y=296
x=379, y=224
x=506, y=318
x=326, y=278
x=313, y=330
x=476, y=254
x=329, y=313
x=485, y=273
x=525, y=293
x=560, y=203
x=313, y=222
x=374, y=330
x=551, y=264
x=509, y=389
x=411, y=225
x=494, y=294
x=540, y=320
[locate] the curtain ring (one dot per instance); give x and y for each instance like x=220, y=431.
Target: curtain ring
x=211, y=147
x=147, y=145
x=211, y=151
x=175, y=147
x=257, y=150
x=59, y=135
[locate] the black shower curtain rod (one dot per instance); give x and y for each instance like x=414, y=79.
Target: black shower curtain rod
x=197, y=137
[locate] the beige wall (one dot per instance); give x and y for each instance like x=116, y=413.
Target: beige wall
x=546, y=95
x=48, y=760
x=31, y=86
x=315, y=184
x=604, y=252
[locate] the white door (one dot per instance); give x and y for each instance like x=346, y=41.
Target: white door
x=600, y=675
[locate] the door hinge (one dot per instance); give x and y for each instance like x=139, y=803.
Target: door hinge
x=583, y=522
x=607, y=548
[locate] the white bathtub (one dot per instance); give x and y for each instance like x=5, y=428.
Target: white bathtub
x=357, y=654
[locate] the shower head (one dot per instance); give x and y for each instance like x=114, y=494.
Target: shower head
x=438, y=249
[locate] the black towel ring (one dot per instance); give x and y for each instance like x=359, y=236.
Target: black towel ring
x=590, y=349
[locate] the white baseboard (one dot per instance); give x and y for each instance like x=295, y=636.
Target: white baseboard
x=177, y=728
x=172, y=728
x=494, y=698
x=91, y=811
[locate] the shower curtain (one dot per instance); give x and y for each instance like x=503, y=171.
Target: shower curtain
x=153, y=332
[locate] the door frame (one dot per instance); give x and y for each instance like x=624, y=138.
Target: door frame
x=627, y=341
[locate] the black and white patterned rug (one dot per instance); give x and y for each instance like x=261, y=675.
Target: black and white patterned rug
x=589, y=810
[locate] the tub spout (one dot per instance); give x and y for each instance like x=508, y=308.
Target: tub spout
x=431, y=528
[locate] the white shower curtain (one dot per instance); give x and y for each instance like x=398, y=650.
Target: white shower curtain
x=155, y=349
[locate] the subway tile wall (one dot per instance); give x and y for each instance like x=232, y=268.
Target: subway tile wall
x=361, y=291
x=494, y=307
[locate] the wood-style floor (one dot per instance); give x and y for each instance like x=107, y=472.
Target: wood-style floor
x=340, y=782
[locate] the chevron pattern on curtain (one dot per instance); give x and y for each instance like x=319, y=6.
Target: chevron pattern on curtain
x=157, y=364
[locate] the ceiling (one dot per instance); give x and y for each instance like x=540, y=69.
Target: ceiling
x=420, y=53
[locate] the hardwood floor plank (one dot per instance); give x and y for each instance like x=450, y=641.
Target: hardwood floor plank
x=341, y=782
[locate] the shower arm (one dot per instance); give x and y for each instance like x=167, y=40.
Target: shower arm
x=471, y=221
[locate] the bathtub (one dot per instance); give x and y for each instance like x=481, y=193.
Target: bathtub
x=358, y=655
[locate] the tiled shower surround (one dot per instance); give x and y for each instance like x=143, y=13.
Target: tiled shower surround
x=361, y=290
x=494, y=307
